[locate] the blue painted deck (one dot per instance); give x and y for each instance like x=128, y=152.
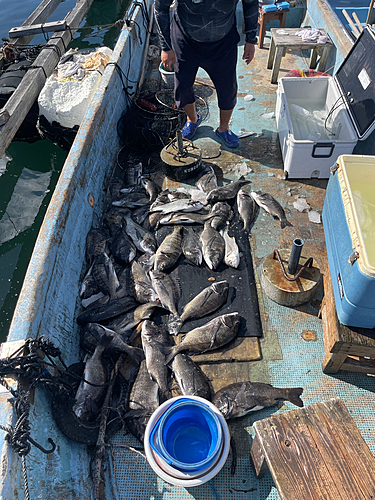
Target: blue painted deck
x=288, y=359
x=49, y=300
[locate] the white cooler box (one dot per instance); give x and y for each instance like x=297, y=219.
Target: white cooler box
x=321, y=118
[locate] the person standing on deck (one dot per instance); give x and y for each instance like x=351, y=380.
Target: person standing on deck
x=203, y=33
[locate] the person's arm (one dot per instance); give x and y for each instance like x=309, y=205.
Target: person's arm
x=162, y=18
x=250, y=14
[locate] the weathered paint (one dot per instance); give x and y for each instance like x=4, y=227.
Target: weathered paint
x=48, y=299
x=48, y=302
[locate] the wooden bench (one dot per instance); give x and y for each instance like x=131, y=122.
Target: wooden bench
x=315, y=453
x=281, y=42
x=346, y=348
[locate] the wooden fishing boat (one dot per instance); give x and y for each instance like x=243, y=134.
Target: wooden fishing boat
x=290, y=350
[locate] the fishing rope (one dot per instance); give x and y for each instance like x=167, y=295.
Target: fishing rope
x=211, y=483
x=31, y=366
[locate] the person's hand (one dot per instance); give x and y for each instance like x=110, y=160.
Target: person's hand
x=168, y=58
x=248, y=52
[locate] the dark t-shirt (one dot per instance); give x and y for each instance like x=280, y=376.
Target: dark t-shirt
x=205, y=20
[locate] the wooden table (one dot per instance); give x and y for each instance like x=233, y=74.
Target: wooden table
x=281, y=42
x=346, y=348
x=315, y=453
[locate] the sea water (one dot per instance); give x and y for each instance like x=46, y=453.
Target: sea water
x=29, y=172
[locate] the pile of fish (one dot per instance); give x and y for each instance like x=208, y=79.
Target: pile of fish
x=131, y=300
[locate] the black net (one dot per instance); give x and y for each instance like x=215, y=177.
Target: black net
x=165, y=97
x=145, y=130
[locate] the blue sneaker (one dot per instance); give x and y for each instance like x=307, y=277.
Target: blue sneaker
x=188, y=132
x=229, y=138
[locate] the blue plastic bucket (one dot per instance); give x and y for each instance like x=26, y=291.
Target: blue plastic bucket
x=188, y=436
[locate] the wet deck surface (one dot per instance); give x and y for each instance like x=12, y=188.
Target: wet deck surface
x=292, y=343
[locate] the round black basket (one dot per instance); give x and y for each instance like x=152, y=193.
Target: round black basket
x=165, y=97
x=143, y=130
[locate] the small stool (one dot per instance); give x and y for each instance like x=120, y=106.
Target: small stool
x=289, y=40
x=315, y=452
x=276, y=15
x=346, y=348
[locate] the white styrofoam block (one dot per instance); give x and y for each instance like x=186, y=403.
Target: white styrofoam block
x=66, y=102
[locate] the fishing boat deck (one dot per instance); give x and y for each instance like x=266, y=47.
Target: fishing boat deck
x=292, y=348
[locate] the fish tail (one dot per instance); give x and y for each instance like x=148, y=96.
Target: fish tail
x=285, y=222
x=294, y=396
x=170, y=353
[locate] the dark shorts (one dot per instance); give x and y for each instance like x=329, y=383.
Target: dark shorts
x=218, y=59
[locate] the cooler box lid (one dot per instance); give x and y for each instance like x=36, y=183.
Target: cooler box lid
x=356, y=80
x=356, y=174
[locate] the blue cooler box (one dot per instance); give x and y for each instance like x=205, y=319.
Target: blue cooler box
x=349, y=227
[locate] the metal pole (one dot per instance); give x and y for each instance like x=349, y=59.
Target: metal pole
x=295, y=255
x=180, y=142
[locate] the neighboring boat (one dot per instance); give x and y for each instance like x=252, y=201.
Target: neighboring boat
x=291, y=350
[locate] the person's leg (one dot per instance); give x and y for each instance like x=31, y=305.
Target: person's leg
x=223, y=75
x=185, y=73
x=191, y=113
x=225, y=116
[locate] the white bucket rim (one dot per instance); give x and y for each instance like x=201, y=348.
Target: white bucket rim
x=187, y=483
x=207, y=463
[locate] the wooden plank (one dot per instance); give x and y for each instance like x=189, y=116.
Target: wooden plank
x=359, y=365
x=357, y=466
x=317, y=452
x=332, y=453
x=34, y=29
x=358, y=22
x=28, y=90
x=241, y=349
x=352, y=25
x=371, y=14
x=293, y=459
x=40, y=15
x=361, y=341
x=257, y=455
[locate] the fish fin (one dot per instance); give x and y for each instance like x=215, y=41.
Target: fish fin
x=294, y=396
x=174, y=324
x=106, y=338
x=285, y=223
x=170, y=353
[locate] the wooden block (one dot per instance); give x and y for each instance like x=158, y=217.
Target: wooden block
x=37, y=28
x=258, y=458
x=341, y=341
x=240, y=349
x=316, y=452
x=359, y=364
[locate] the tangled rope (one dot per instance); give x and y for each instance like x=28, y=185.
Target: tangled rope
x=32, y=367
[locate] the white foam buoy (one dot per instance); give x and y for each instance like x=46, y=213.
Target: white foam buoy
x=65, y=101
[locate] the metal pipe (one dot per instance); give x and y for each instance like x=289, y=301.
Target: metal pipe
x=180, y=142
x=295, y=254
